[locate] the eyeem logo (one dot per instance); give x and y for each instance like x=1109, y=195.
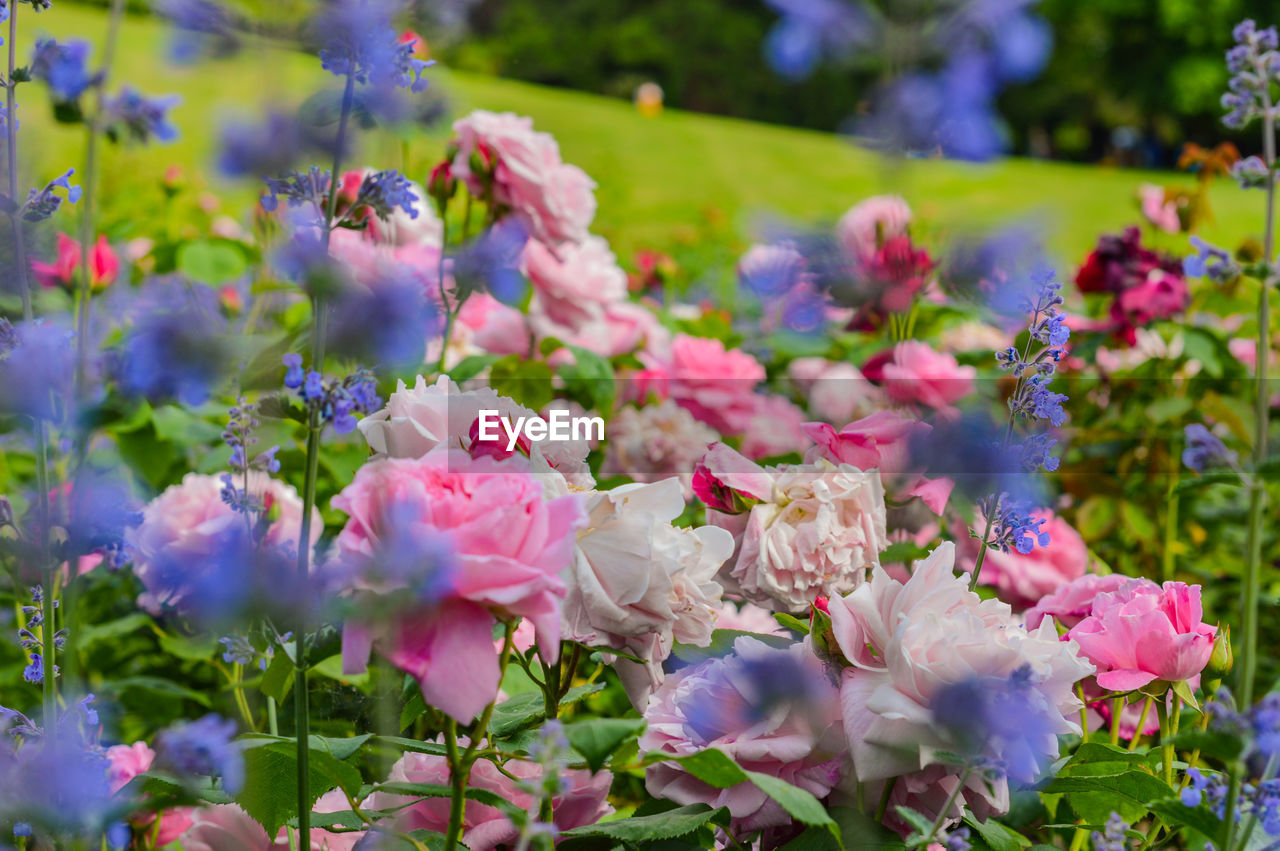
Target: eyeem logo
x=561, y=426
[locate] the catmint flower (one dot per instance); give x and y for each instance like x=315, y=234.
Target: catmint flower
x=1205, y=449
x=142, y=118
x=1113, y=837
x=8, y=337
x=177, y=347
x=958, y=840
x=64, y=68
x=38, y=369
x=1254, y=65
x=384, y=192
x=1250, y=172
x=202, y=28
x=43, y=203
x=1211, y=262
x=1014, y=527
x=237, y=650
x=360, y=42
x=293, y=373
x=202, y=748
x=339, y=400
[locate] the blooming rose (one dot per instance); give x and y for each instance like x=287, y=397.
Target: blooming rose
x=125, y=762
x=776, y=427
x=189, y=522
x=837, y=392
x=510, y=546
x=881, y=441
x=1022, y=580
x=1143, y=632
x=870, y=223
x=728, y=482
x=582, y=801
x=815, y=530
x=918, y=374
x=64, y=271
x=1073, y=601
x=655, y=442
x=770, y=709
x=575, y=278
x=713, y=383
x=556, y=202
x=227, y=827
x=414, y=422
x=902, y=644
x=637, y=582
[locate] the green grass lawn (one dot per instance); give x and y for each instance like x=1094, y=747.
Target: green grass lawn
x=664, y=181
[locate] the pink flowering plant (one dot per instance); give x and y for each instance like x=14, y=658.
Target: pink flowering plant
x=392, y=506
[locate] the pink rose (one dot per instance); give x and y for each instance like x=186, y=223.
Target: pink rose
x=716, y=703
x=881, y=441
x=813, y=530
x=583, y=801
x=414, y=422
x=611, y=330
x=227, y=827
x=510, y=546
x=575, y=278
x=1022, y=580
x=729, y=482
x=903, y=643
x=125, y=762
x=556, y=202
x=655, y=442
x=747, y=617
x=1072, y=602
x=776, y=427
x=492, y=326
x=638, y=583
x=870, y=223
x=64, y=271
x=918, y=374
x=189, y=521
x=715, y=384
x=1143, y=632
x=837, y=391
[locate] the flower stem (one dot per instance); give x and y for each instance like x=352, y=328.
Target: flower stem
x=1262, y=412
x=946, y=808
x=1117, y=706
x=986, y=544
x=1142, y=722
x=1166, y=740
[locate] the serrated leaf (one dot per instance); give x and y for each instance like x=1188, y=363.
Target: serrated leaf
x=414, y=745
x=528, y=710
x=270, y=793
x=999, y=836
x=597, y=738
x=1174, y=812
x=1094, y=798
x=671, y=824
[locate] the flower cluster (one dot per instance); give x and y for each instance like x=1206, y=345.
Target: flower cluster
x=336, y=400
x=1254, y=64
x=1144, y=285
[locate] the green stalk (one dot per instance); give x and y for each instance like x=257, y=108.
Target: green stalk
x=301, y=715
x=951, y=800
x=1166, y=741
x=1262, y=413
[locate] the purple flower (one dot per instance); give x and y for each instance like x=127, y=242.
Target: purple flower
x=178, y=347
x=63, y=67
x=1205, y=449
x=202, y=748
x=43, y=203
x=38, y=370
x=360, y=42
x=141, y=117
x=202, y=29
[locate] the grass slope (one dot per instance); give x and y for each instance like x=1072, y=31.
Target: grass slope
x=664, y=181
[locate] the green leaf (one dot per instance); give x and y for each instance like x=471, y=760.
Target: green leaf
x=343, y=748
x=471, y=366
x=999, y=836
x=281, y=407
x=597, y=738
x=1096, y=517
x=922, y=825
x=270, y=793
x=1168, y=408
x=712, y=767
x=1175, y=813
x=183, y=428
x=792, y=622
x=671, y=824
x=902, y=552
x=157, y=685
x=113, y=629
x=211, y=262
x=443, y=790
x=1212, y=743
x=331, y=667
x=1094, y=798
x=414, y=745
x=193, y=648
x=1138, y=522
x=528, y=710
x=814, y=839
x=278, y=679
x=800, y=804
x=589, y=379
x=526, y=381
